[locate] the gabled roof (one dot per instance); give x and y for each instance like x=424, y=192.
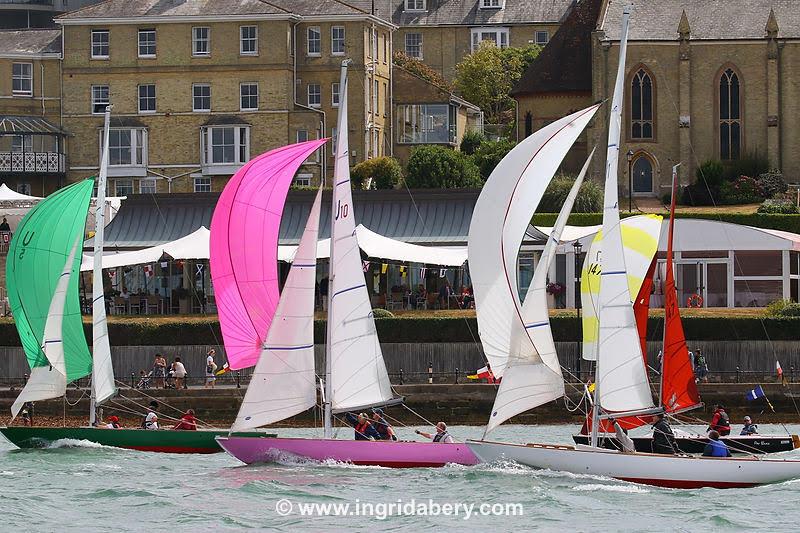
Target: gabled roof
x=33, y=42
x=708, y=19
x=565, y=64
x=468, y=12
x=116, y=9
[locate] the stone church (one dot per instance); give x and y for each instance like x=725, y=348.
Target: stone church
x=705, y=79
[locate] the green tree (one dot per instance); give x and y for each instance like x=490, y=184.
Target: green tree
x=470, y=142
x=487, y=76
x=386, y=173
x=489, y=154
x=421, y=70
x=431, y=167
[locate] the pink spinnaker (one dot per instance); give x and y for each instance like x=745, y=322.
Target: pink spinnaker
x=244, y=248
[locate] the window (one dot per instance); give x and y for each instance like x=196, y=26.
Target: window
x=642, y=175
x=24, y=188
x=376, y=93
x=249, y=96
x=147, y=186
x=642, y=105
x=303, y=180
x=302, y=136
x=123, y=187
x=414, y=45
x=385, y=99
x=730, y=115
x=492, y=4
x=498, y=36
x=126, y=147
x=337, y=40
x=314, y=41
x=248, y=40
x=201, y=97
x=100, y=98
x=99, y=44
x=225, y=145
x=415, y=5
x=314, y=96
x=385, y=48
x=22, y=79
x=202, y=184
x=542, y=37
x=426, y=124
x=147, y=43
x=201, y=41
x=335, y=94
x=147, y=98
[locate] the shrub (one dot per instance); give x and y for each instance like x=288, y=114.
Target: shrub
x=771, y=184
x=712, y=173
x=775, y=308
x=386, y=173
x=791, y=309
x=438, y=167
x=710, y=177
x=471, y=140
x=489, y=154
x=589, y=200
x=742, y=191
x=778, y=206
x=752, y=164
x=382, y=313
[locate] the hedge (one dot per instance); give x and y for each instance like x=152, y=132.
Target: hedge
x=432, y=329
x=782, y=222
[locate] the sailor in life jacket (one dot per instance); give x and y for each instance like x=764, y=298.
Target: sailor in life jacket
x=715, y=447
x=383, y=427
x=720, y=421
x=364, y=430
x=441, y=434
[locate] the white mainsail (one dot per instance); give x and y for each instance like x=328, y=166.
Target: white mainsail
x=499, y=221
x=621, y=375
x=284, y=382
x=102, y=367
x=46, y=382
x=356, y=372
x=533, y=377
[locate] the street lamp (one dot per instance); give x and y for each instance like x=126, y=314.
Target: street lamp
x=630, y=181
x=578, y=247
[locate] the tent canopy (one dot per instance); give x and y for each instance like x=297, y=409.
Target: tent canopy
x=192, y=246
x=8, y=195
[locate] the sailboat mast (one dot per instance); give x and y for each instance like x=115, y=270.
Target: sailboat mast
x=342, y=162
x=669, y=263
x=611, y=196
x=98, y=293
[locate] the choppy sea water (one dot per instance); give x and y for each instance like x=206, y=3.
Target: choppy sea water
x=78, y=486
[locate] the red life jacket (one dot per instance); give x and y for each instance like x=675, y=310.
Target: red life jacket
x=362, y=428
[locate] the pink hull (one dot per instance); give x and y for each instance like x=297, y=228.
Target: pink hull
x=374, y=453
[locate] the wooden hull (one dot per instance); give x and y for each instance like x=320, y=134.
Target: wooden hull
x=681, y=472
x=697, y=443
x=390, y=454
x=162, y=441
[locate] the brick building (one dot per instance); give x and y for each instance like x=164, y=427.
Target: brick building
x=704, y=80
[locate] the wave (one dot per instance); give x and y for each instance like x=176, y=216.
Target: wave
x=635, y=489
x=73, y=443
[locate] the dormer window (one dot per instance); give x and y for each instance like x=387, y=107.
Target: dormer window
x=415, y=5
x=492, y=4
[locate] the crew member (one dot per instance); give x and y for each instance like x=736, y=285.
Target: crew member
x=720, y=421
x=383, y=427
x=715, y=447
x=441, y=434
x=365, y=430
x=187, y=422
x=663, y=438
x=749, y=428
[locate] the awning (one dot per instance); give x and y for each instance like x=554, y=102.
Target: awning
x=192, y=246
x=8, y=195
x=20, y=125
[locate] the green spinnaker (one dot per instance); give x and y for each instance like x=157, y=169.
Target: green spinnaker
x=36, y=258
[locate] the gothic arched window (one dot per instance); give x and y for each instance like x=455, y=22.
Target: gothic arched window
x=642, y=103
x=730, y=115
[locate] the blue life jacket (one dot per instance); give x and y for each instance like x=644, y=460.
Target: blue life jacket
x=718, y=448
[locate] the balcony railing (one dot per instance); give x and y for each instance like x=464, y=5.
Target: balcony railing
x=32, y=162
x=28, y=2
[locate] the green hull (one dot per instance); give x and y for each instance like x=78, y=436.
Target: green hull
x=164, y=441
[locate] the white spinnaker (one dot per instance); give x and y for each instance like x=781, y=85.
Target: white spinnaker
x=358, y=376
x=46, y=382
x=499, y=221
x=102, y=367
x=640, y=236
x=621, y=374
x=532, y=379
x=284, y=382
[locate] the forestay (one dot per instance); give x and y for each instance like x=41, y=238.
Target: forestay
x=499, y=221
x=533, y=375
x=244, y=248
x=284, y=383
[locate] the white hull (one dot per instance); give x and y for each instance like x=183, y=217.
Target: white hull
x=649, y=469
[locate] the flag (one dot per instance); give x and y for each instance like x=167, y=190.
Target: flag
x=148, y=271
x=754, y=394
x=365, y=266
x=422, y=272
x=384, y=268
x=403, y=271
x=224, y=370
x=442, y=272
x=779, y=370
x=483, y=373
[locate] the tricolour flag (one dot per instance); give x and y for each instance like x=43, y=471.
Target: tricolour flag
x=224, y=370
x=148, y=271
x=754, y=394
x=779, y=370
x=483, y=373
